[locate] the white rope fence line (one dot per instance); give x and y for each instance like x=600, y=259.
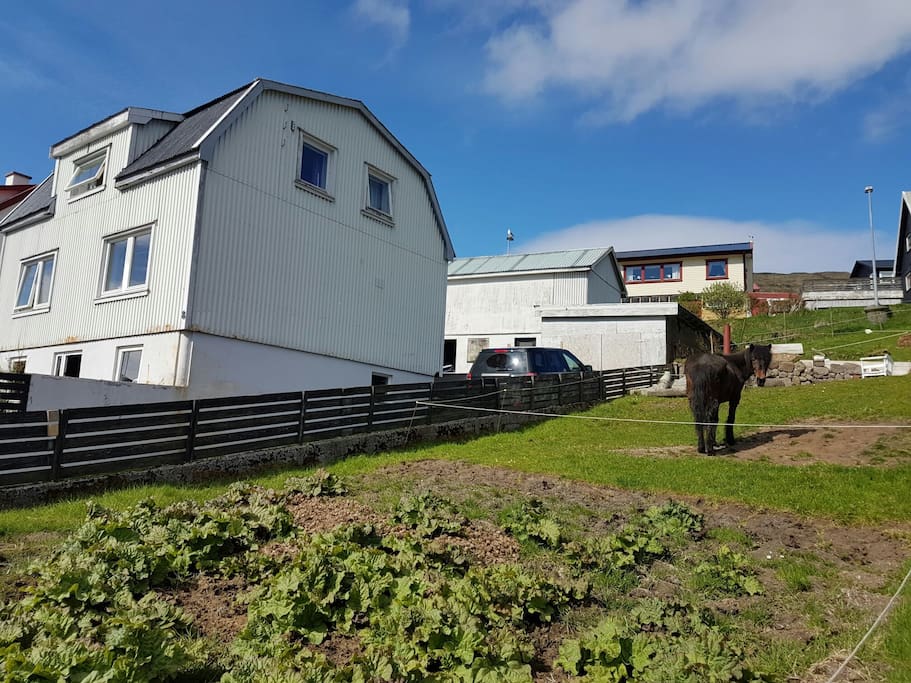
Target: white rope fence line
x=865, y=341
x=435, y=404
x=879, y=620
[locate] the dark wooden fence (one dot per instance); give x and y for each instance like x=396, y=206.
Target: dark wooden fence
x=53, y=445
x=13, y=392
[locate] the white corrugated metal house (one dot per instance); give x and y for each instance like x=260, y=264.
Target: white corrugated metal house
x=276, y=238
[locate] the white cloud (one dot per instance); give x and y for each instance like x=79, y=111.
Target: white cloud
x=886, y=122
x=789, y=247
x=630, y=56
x=390, y=15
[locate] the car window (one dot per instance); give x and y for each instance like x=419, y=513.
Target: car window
x=546, y=360
x=501, y=362
x=572, y=362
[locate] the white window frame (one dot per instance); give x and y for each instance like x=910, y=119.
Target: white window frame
x=32, y=306
x=389, y=181
x=59, y=366
x=125, y=289
x=330, y=152
x=122, y=351
x=13, y=362
x=95, y=182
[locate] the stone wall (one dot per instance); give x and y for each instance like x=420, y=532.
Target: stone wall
x=787, y=370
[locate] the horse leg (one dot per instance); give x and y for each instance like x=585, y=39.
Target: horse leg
x=711, y=429
x=729, y=427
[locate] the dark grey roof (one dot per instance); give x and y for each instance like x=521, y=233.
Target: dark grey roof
x=37, y=202
x=864, y=269
x=735, y=247
x=181, y=139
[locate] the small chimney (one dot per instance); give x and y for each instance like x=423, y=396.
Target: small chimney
x=16, y=178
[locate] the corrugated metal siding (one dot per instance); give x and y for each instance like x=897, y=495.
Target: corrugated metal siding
x=78, y=230
x=282, y=266
x=570, y=289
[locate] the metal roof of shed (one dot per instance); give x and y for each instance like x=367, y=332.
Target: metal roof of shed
x=514, y=263
x=735, y=247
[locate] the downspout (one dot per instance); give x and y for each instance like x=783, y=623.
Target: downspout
x=183, y=361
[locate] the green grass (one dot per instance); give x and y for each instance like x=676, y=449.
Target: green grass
x=839, y=333
x=651, y=456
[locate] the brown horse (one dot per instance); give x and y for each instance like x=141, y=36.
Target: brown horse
x=712, y=380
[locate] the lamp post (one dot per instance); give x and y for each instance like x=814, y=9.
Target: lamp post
x=868, y=190
x=509, y=238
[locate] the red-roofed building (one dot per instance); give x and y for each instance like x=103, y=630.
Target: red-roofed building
x=17, y=186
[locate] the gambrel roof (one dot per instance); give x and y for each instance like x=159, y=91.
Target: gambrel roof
x=196, y=132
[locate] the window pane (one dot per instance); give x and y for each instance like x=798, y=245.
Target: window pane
x=313, y=166
x=140, y=265
x=87, y=172
x=117, y=252
x=717, y=268
x=571, y=362
x=634, y=274
x=28, y=283
x=653, y=272
x=44, y=287
x=671, y=271
x=129, y=365
x=379, y=195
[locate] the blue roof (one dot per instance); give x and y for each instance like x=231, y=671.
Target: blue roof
x=735, y=247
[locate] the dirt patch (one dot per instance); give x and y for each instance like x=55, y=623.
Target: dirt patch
x=212, y=603
x=855, y=447
x=318, y=515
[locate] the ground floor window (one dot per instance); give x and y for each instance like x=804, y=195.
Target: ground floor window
x=475, y=346
x=17, y=365
x=525, y=341
x=68, y=364
x=378, y=380
x=128, y=360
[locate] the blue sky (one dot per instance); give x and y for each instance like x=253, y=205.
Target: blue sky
x=573, y=123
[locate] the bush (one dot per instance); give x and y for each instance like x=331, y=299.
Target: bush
x=723, y=299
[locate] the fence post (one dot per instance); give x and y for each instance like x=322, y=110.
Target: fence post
x=430, y=400
x=57, y=458
x=302, y=420
x=372, y=407
x=623, y=381
x=581, y=382
x=601, y=390
x=191, y=435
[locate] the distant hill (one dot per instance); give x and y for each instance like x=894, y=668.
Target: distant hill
x=792, y=282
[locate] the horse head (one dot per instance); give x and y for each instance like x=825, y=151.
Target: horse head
x=760, y=358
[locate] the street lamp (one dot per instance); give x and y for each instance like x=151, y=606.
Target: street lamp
x=869, y=192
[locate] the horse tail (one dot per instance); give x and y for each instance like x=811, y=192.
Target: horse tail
x=700, y=398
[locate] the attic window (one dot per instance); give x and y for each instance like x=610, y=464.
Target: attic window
x=88, y=174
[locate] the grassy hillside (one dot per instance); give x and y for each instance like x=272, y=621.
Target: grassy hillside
x=792, y=282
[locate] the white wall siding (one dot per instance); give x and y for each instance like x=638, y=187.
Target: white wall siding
x=283, y=266
x=77, y=232
x=100, y=357
x=569, y=289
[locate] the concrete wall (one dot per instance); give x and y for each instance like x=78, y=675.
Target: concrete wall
x=217, y=366
x=611, y=336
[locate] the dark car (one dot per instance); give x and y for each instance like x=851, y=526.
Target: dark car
x=527, y=361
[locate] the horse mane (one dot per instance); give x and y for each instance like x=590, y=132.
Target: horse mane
x=742, y=361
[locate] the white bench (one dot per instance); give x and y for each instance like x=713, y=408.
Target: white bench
x=876, y=366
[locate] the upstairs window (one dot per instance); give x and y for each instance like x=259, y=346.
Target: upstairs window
x=315, y=170
x=36, y=279
x=653, y=272
x=379, y=195
x=126, y=262
x=88, y=174
x=716, y=269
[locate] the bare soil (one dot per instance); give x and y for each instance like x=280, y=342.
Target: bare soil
x=860, y=562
